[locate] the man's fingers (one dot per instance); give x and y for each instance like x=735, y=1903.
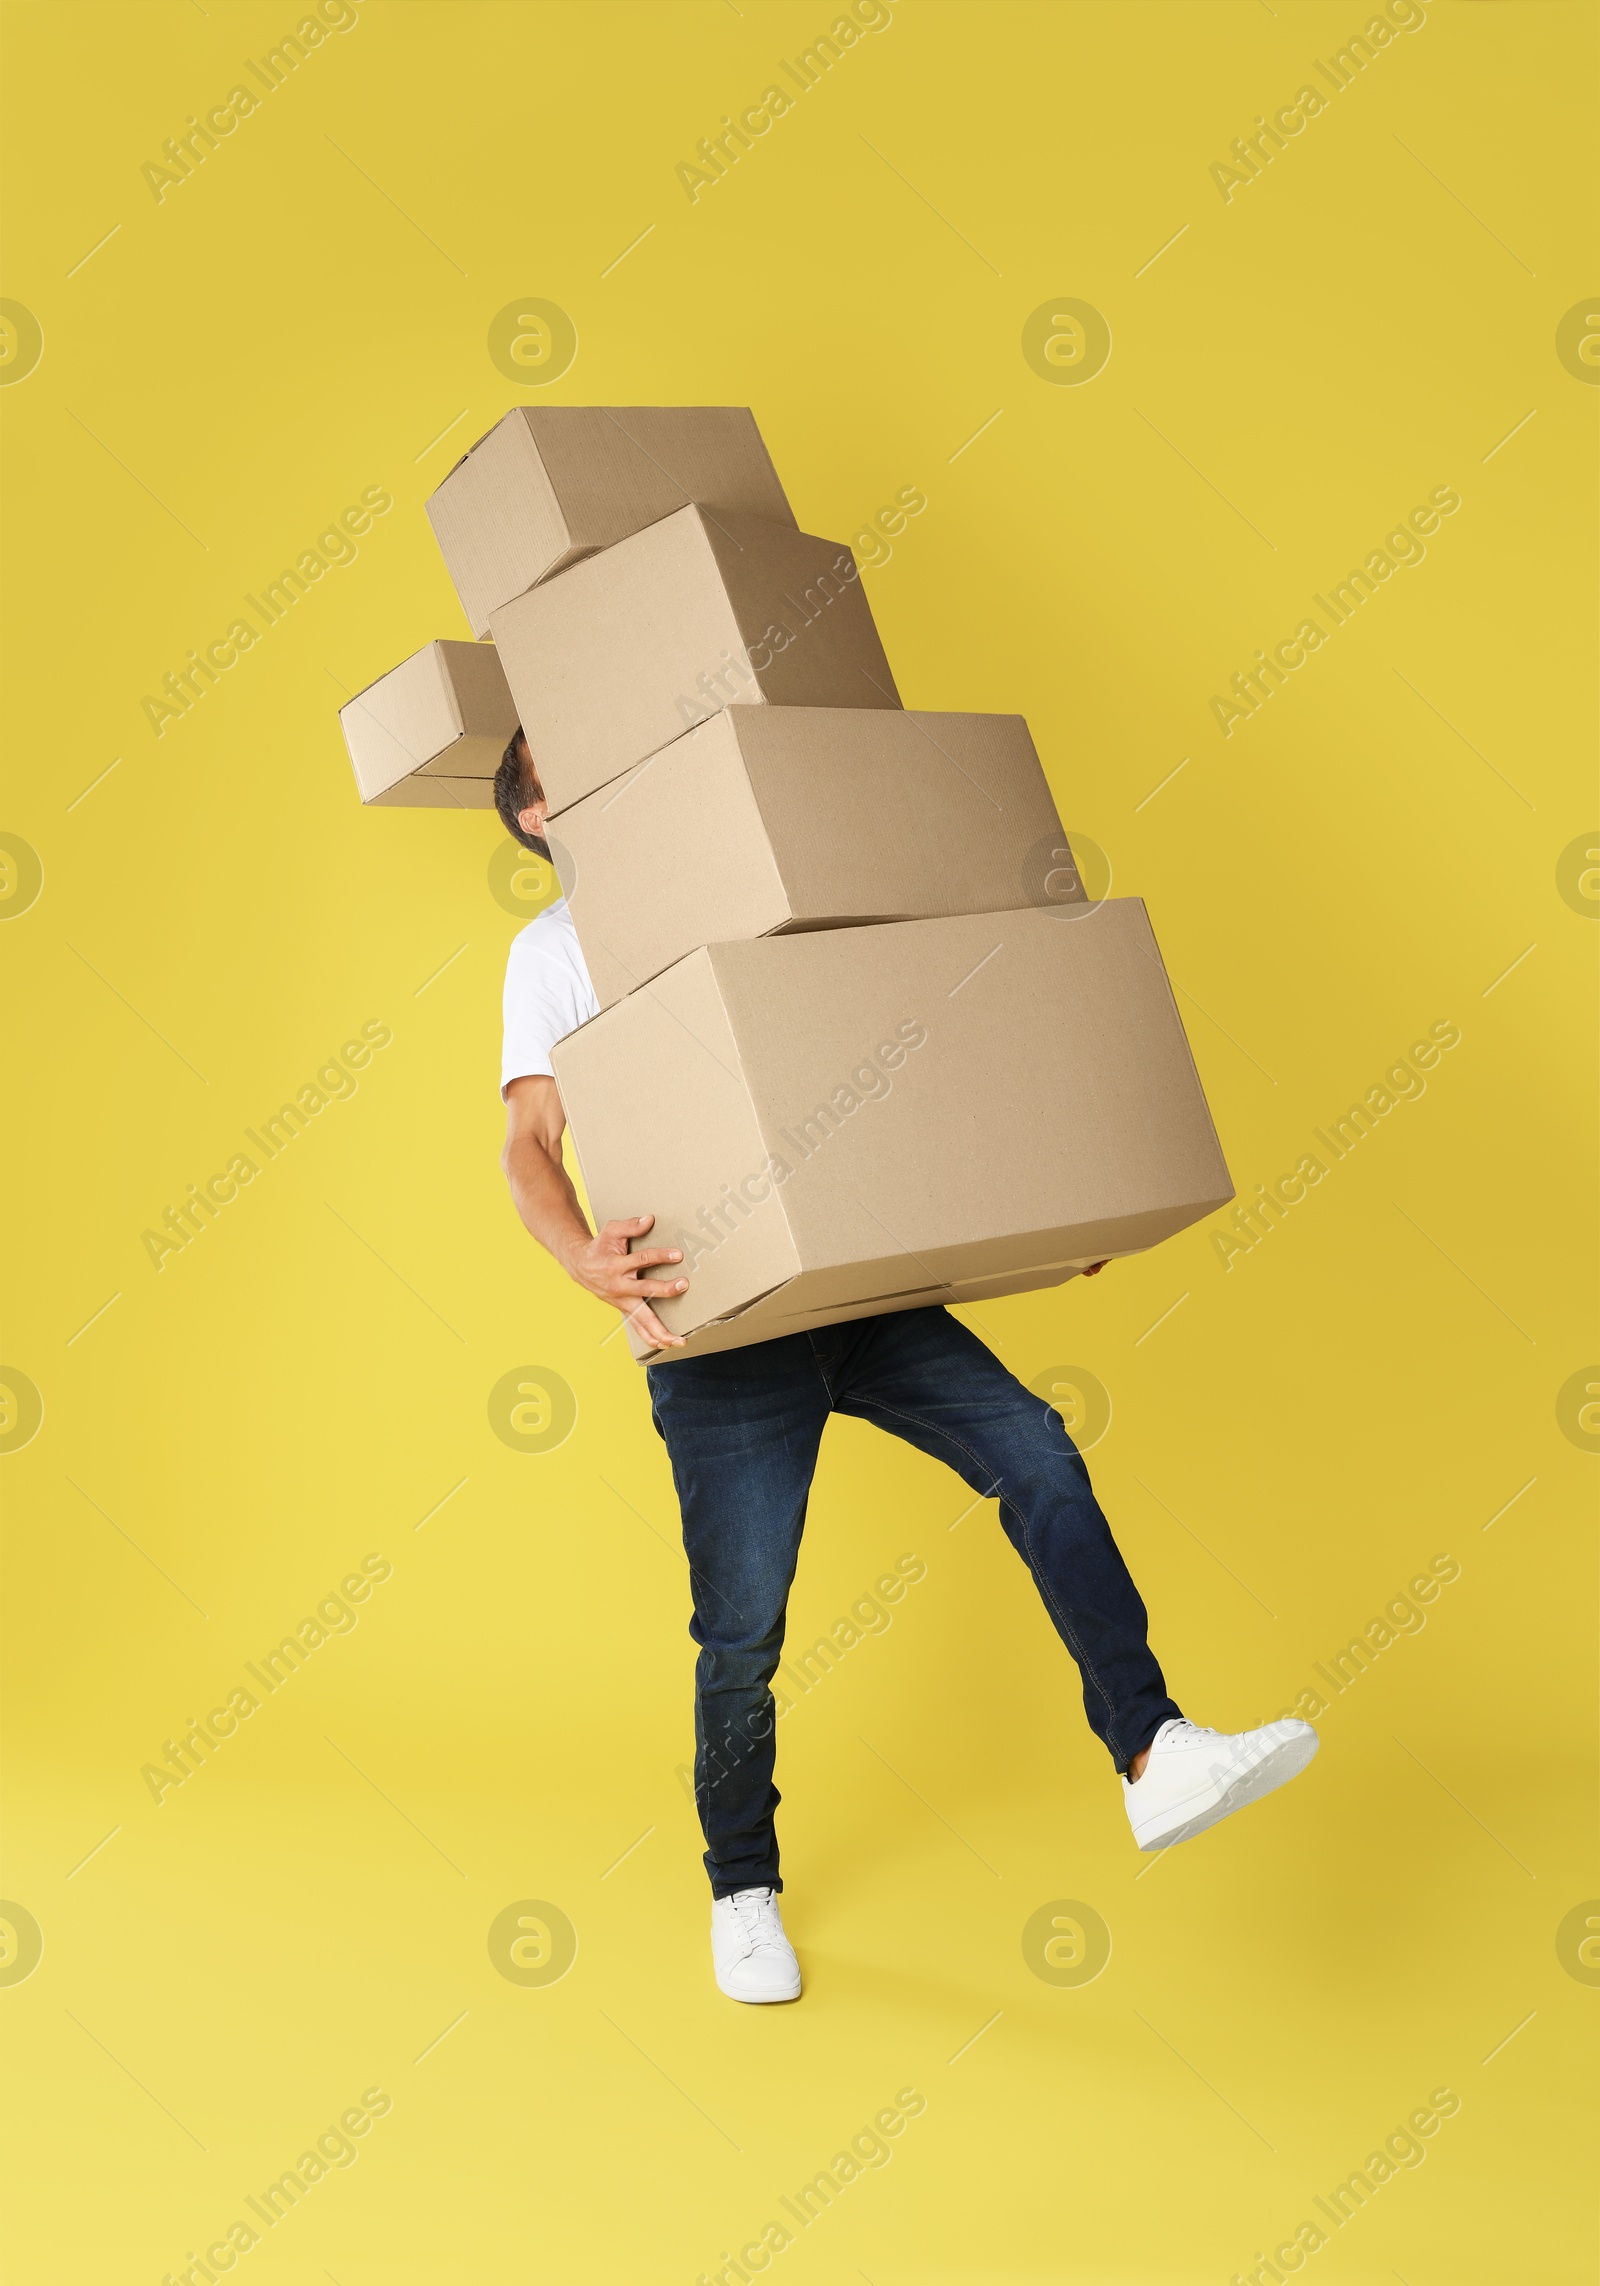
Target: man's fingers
x=651, y=1255
x=623, y=1289
x=617, y=1237
x=653, y=1331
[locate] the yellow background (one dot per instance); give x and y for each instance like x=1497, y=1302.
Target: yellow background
x=307, y=1916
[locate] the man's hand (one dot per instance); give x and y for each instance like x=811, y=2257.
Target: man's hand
x=548, y=1205
x=603, y=1264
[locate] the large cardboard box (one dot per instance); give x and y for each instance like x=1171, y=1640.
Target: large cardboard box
x=550, y=483
x=778, y=818
x=857, y=1120
x=431, y=732
x=630, y=648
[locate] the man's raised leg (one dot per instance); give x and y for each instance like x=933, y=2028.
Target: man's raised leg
x=924, y=1376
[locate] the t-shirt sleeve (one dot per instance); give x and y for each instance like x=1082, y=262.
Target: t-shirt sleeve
x=541, y=1006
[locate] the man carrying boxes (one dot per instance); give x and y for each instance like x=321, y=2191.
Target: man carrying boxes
x=893, y=1058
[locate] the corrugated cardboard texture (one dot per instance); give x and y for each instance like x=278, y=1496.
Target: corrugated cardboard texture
x=670, y=856
x=659, y=1080
x=630, y=648
x=1056, y=1089
x=443, y=713
x=1045, y=1112
x=428, y=793
x=550, y=483
x=786, y=1310
x=777, y=817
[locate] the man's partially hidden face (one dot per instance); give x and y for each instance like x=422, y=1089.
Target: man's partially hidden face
x=532, y=817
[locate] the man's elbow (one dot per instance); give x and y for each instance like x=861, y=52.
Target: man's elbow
x=526, y=1154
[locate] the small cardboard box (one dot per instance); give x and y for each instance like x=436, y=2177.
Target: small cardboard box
x=858, y=1120
x=550, y=483
x=779, y=818
x=630, y=648
x=430, y=733
x=425, y=793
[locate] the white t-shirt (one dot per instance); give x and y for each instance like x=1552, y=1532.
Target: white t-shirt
x=548, y=994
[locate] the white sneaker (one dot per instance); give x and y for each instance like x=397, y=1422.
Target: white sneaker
x=752, y=1957
x=1195, y=1777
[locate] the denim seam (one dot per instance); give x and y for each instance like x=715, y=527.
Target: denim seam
x=1060, y=1617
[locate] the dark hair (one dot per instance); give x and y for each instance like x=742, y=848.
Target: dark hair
x=512, y=793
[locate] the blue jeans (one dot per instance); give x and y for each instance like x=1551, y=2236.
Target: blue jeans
x=742, y=1429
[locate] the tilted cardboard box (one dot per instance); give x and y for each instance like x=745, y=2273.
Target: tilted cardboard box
x=431, y=732
x=550, y=483
x=858, y=1120
x=772, y=818
x=630, y=648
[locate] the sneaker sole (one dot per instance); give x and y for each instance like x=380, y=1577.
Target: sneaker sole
x=1275, y=1769
x=758, y=1999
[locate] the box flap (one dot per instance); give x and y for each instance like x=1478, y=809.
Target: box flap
x=480, y=696
x=424, y=791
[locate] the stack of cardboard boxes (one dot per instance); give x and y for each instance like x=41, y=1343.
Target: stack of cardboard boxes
x=864, y=1042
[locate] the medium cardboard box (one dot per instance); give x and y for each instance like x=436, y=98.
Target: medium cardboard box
x=550, y=483
x=779, y=818
x=630, y=648
x=858, y=1120
x=422, y=732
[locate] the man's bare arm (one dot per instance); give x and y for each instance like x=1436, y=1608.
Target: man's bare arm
x=548, y=1205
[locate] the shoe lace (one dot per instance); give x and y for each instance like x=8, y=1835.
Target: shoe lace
x=1230, y=1750
x=757, y=1912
